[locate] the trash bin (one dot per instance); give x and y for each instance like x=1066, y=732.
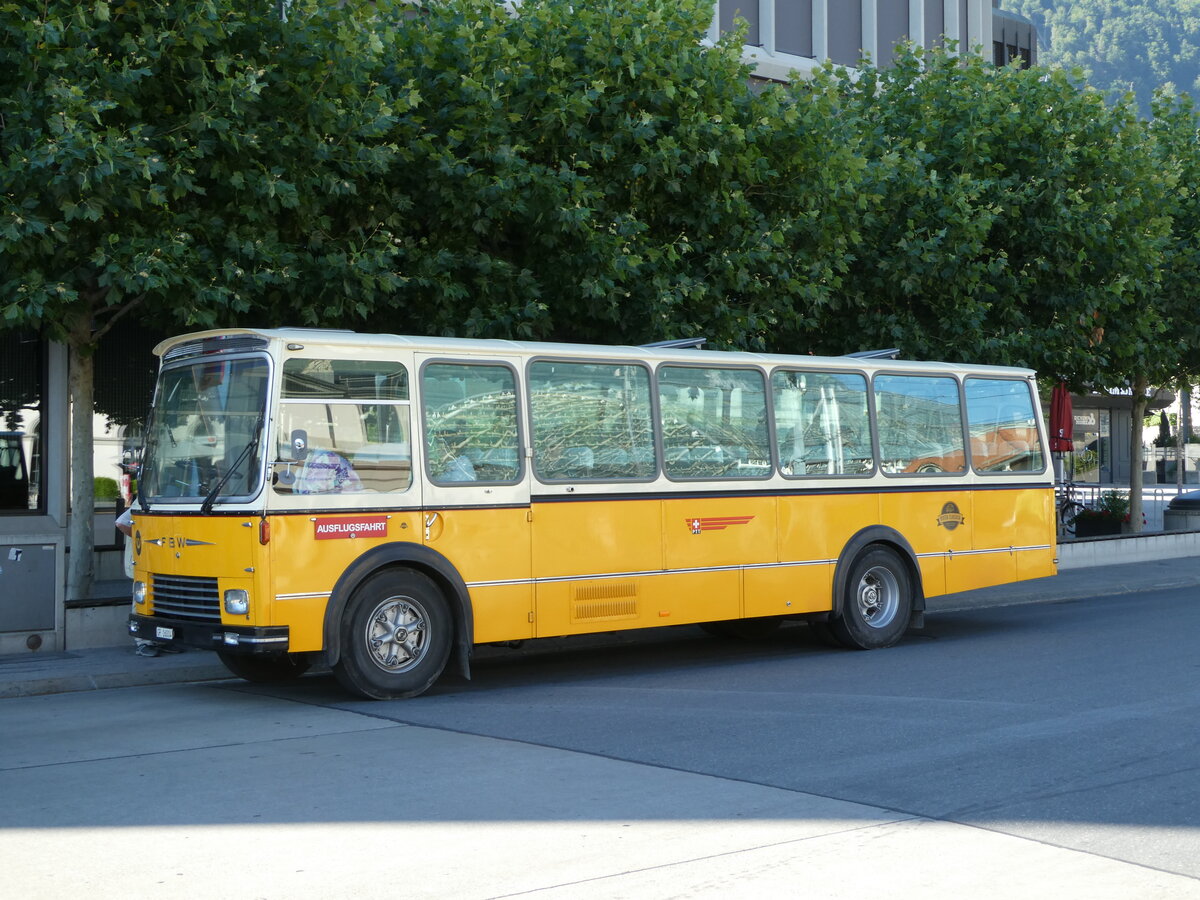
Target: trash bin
x=1183, y=513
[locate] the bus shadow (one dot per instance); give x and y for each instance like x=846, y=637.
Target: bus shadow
x=638, y=653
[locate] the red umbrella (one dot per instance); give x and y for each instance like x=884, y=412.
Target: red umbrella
x=1061, y=422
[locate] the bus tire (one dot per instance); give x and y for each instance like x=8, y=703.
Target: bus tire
x=395, y=635
x=877, y=602
x=266, y=669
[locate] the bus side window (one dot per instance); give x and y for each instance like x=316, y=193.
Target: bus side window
x=591, y=421
x=1003, y=426
x=920, y=424
x=470, y=413
x=822, y=426
x=714, y=422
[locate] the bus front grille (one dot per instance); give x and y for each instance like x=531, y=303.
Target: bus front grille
x=184, y=597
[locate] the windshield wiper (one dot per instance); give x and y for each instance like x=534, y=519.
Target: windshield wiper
x=143, y=493
x=207, y=505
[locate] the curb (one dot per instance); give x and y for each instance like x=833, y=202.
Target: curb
x=74, y=683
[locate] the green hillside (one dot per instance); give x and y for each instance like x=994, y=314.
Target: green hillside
x=1121, y=45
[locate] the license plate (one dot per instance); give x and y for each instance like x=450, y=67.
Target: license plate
x=167, y=634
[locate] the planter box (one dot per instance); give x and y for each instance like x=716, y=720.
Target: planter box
x=1089, y=526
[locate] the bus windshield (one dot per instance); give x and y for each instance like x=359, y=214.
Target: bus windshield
x=205, y=430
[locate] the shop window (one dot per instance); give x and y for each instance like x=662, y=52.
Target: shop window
x=22, y=390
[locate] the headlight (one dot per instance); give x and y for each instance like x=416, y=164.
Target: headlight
x=139, y=593
x=237, y=602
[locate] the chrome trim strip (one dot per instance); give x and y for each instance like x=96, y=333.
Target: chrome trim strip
x=950, y=554
x=245, y=639
x=601, y=576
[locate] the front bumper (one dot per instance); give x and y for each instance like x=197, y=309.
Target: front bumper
x=240, y=639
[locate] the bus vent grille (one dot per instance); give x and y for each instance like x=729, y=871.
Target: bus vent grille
x=229, y=343
x=609, y=600
x=183, y=597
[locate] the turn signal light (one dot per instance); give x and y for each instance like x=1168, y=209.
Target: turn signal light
x=264, y=531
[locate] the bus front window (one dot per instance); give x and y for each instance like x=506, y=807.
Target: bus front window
x=204, y=436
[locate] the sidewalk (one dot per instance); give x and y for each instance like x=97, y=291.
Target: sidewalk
x=29, y=674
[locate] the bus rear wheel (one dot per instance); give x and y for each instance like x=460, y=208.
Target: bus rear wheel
x=877, y=602
x=395, y=636
x=266, y=669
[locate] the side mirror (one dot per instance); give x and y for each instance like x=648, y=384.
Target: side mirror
x=299, y=444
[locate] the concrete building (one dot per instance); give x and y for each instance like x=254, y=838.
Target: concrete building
x=787, y=36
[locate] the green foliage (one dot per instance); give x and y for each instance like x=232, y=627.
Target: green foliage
x=1175, y=129
x=1121, y=45
x=591, y=172
x=193, y=160
x=1112, y=506
x=105, y=488
x=1008, y=216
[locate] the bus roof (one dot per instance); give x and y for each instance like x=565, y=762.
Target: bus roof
x=383, y=342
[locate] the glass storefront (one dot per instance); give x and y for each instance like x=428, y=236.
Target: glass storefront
x=22, y=389
x=1092, y=453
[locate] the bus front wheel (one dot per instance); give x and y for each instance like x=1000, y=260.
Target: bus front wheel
x=396, y=636
x=877, y=602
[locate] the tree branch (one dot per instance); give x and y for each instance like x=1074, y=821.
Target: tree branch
x=117, y=313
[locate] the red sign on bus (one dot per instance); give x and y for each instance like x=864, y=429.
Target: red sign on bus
x=353, y=527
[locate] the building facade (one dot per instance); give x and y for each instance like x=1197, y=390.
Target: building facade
x=798, y=36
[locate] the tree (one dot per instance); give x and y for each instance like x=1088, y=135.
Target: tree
x=1013, y=217
x=593, y=172
x=1122, y=45
x=1175, y=128
x=184, y=163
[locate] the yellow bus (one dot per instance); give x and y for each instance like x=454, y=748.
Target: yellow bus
x=382, y=504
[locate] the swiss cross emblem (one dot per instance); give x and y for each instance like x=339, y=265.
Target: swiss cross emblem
x=715, y=523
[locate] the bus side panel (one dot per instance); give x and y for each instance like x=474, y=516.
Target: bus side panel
x=598, y=565
x=1019, y=526
x=305, y=566
x=788, y=590
x=490, y=549
x=707, y=532
x=935, y=524
x=710, y=534
x=303, y=616
x=997, y=530
x=812, y=531
x=585, y=606
x=933, y=575
x=1036, y=515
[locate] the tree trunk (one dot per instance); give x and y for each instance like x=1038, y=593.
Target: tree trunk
x=1135, y=453
x=80, y=536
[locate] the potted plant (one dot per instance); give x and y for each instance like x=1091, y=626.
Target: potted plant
x=1108, y=516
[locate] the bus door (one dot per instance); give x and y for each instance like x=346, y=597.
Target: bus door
x=476, y=486
x=597, y=513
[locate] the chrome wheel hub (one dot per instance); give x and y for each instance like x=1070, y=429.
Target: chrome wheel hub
x=397, y=634
x=878, y=597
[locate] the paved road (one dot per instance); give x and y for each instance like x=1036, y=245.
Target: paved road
x=1041, y=750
